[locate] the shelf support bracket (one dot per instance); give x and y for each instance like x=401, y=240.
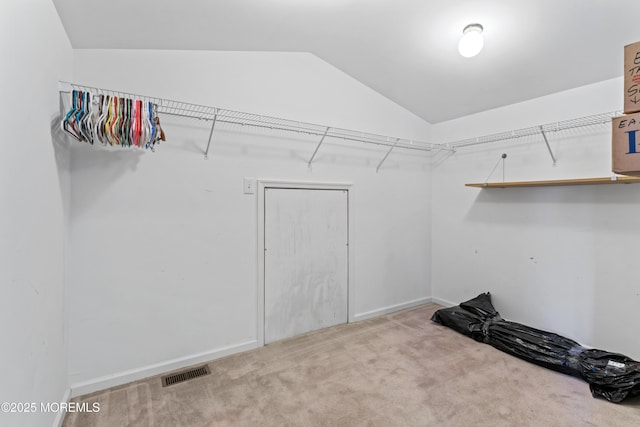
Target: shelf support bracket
x=213, y=125
x=387, y=155
x=546, y=141
x=313, y=156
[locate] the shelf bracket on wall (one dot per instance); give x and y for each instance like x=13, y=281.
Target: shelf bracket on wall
x=546, y=141
x=387, y=155
x=213, y=125
x=324, y=135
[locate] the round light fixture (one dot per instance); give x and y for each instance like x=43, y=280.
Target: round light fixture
x=472, y=41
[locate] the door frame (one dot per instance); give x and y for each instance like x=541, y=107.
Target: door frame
x=262, y=185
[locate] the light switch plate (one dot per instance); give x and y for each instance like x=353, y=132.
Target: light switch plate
x=249, y=185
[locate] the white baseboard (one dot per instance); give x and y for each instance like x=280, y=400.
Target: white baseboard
x=108, y=381
x=59, y=419
x=443, y=302
x=391, y=309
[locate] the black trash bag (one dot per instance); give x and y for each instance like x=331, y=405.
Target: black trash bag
x=611, y=376
x=534, y=345
x=482, y=306
x=470, y=319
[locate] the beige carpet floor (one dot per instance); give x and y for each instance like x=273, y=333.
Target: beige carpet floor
x=396, y=370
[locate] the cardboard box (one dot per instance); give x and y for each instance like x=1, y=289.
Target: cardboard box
x=632, y=78
x=625, y=145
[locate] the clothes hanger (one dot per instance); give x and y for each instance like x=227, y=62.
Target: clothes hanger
x=115, y=125
x=116, y=120
x=124, y=129
x=66, y=125
x=85, y=125
x=146, y=123
x=119, y=122
x=109, y=121
x=73, y=122
x=94, y=113
x=159, y=133
x=138, y=121
x=162, y=135
x=84, y=117
x=77, y=122
x=134, y=123
x=100, y=122
x=105, y=117
x=129, y=121
x=93, y=116
x=154, y=124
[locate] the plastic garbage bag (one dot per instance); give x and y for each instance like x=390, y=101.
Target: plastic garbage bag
x=610, y=375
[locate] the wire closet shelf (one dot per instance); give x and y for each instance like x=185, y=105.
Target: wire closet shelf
x=543, y=130
x=596, y=119
x=217, y=115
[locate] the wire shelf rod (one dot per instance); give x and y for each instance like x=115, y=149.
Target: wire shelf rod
x=312, y=133
x=231, y=117
x=593, y=120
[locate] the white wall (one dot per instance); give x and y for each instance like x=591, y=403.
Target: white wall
x=34, y=186
x=559, y=258
x=164, y=245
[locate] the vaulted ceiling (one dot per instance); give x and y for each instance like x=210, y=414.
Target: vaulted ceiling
x=404, y=49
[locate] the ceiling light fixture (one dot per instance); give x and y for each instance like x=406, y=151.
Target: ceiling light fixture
x=471, y=42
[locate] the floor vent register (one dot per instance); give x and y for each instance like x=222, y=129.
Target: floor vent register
x=183, y=376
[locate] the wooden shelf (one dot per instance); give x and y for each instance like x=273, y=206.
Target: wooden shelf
x=559, y=182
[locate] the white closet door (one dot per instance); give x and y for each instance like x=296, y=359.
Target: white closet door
x=305, y=261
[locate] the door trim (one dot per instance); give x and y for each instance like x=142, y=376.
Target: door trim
x=262, y=185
